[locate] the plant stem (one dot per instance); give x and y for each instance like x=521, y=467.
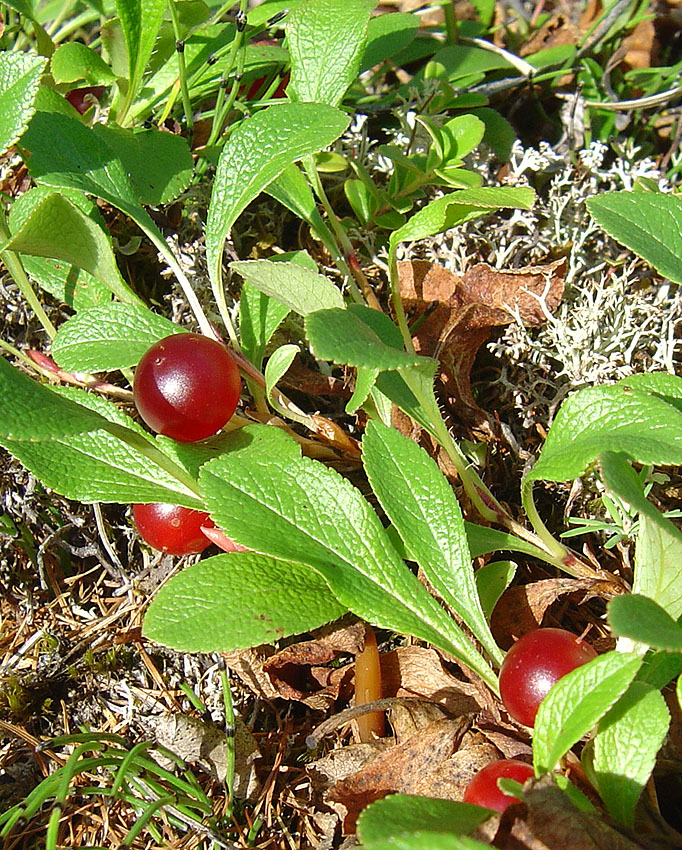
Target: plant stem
x=451, y=25
x=221, y=107
x=182, y=68
x=14, y=266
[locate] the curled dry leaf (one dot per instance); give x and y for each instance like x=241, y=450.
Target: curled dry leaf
x=460, y=312
x=521, y=609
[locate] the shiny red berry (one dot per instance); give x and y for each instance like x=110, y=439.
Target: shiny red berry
x=187, y=387
x=484, y=791
x=534, y=664
x=172, y=529
x=82, y=99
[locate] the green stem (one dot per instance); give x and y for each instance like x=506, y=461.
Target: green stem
x=13, y=265
x=182, y=68
x=397, y=301
x=230, y=731
x=451, y=25
x=559, y=554
x=222, y=107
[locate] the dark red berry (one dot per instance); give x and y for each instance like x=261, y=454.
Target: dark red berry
x=172, y=529
x=534, y=664
x=484, y=791
x=186, y=387
x=82, y=99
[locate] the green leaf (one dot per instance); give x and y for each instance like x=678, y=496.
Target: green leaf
x=625, y=748
x=20, y=75
x=278, y=364
x=299, y=510
x=491, y=582
x=577, y=702
x=326, y=42
x=237, y=601
x=73, y=62
x=97, y=465
x=59, y=230
x=344, y=338
x=616, y=418
x=261, y=147
x=456, y=207
x=259, y=317
x=67, y=154
x=421, y=505
x=159, y=165
x=485, y=9
x=364, y=383
x=649, y=223
x=426, y=841
x=111, y=337
x=658, y=554
x=72, y=286
x=483, y=540
x=386, y=35
x=140, y=20
x=361, y=200
x=641, y=619
x=295, y=286
x=660, y=668
x=401, y=813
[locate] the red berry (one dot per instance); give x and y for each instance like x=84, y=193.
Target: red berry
x=187, y=387
x=534, y=664
x=172, y=529
x=79, y=99
x=484, y=791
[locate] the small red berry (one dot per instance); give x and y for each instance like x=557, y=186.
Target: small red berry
x=83, y=98
x=534, y=664
x=172, y=529
x=484, y=791
x=187, y=387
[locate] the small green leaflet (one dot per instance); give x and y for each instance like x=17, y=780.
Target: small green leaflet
x=278, y=365
x=295, y=286
x=73, y=62
x=649, y=223
x=641, y=619
x=195, y=611
x=140, y=20
x=618, y=418
x=483, y=540
x=625, y=748
x=387, y=35
x=59, y=230
x=109, y=337
x=261, y=147
x=491, y=582
x=20, y=75
x=658, y=554
x=299, y=510
x=577, y=702
x=326, y=42
x=459, y=206
x=259, y=318
x=400, y=813
x=421, y=505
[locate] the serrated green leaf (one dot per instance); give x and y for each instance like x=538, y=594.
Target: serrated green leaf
x=72, y=62
x=255, y=154
x=70, y=285
x=342, y=337
x=577, y=702
x=625, y=748
x=400, y=813
x=237, y=601
x=278, y=365
x=616, y=418
x=259, y=317
x=20, y=75
x=641, y=619
x=326, y=41
x=97, y=465
x=649, y=223
x=658, y=554
x=59, y=230
x=422, y=507
x=457, y=207
x=426, y=841
x=140, y=20
x=295, y=286
x=491, y=582
x=114, y=336
x=159, y=164
x=297, y=509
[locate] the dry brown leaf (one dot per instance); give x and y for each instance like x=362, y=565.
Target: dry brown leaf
x=248, y=665
x=521, y=609
x=459, y=314
x=405, y=768
x=346, y=761
x=453, y=775
x=641, y=46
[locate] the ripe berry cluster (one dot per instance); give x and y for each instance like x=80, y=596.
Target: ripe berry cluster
x=186, y=387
